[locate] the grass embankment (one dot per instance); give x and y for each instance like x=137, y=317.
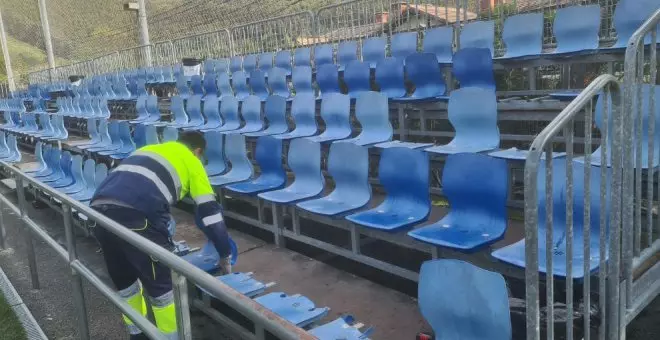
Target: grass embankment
x=10, y=327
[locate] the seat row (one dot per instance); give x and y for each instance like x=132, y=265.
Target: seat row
x=48, y=126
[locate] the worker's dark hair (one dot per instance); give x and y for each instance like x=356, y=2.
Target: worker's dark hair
x=193, y=140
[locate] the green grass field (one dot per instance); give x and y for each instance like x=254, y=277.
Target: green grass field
x=10, y=327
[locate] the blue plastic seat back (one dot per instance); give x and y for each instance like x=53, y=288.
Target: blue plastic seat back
x=268, y=154
x=302, y=57
x=222, y=65
x=229, y=112
x=479, y=34
x=323, y=55
x=373, y=50
x=215, y=153
x=266, y=61
x=249, y=63
x=240, y=85
x=178, y=111
x=576, y=28
x=390, y=77
x=372, y=111
x=303, y=111
x=423, y=71
x=327, y=78
x=113, y=130
x=335, y=111
x=251, y=112
x=212, y=111
x=473, y=67
x=236, y=64
x=475, y=121
x=151, y=135
x=351, y=178
x=474, y=304
x=194, y=110
x=403, y=44
x=127, y=144
x=141, y=107
x=357, y=77
x=77, y=171
x=92, y=130
x=347, y=52
x=304, y=160
x=277, y=82
x=65, y=163
x=629, y=15
x=170, y=134
x=275, y=110
x=224, y=85
x=100, y=174
x=210, y=87
x=236, y=154
x=283, y=60
x=439, y=41
x=140, y=136
x=301, y=77
x=523, y=35
x=258, y=84
x=208, y=66
x=181, y=86
x=89, y=168
x=152, y=108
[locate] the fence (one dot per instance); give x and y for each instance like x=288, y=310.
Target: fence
x=182, y=271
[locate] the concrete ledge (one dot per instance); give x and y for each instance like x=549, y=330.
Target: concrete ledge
x=32, y=329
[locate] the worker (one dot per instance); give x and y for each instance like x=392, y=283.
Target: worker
x=138, y=194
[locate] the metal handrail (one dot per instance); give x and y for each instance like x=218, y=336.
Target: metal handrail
x=561, y=123
x=263, y=318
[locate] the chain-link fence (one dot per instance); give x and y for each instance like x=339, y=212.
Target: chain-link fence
x=92, y=37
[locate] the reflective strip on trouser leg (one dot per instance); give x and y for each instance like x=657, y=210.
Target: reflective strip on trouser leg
x=165, y=313
x=133, y=296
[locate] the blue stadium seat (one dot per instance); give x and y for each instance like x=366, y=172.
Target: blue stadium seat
x=343, y=328
x=407, y=201
x=479, y=34
x=78, y=184
x=229, y=113
x=258, y=84
x=323, y=55
x=515, y=253
x=520, y=155
x=178, y=114
x=89, y=173
x=63, y=171
x=268, y=154
x=236, y=64
x=352, y=190
x=205, y=259
x=151, y=135
x=372, y=111
x=243, y=283
x=210, y=86
x=304, y=159
x=283, y=61
x=222, y=65
x=629, y=15
x=475, y=121
x=241, y=167
x=170, y=134
x=403, y=44
x=346, y=53
x=390, y=77
x=576, y=30
x=141, y=109
x=251, y=112
x=476, y=187
x=52, y=158
x=224, y=85
x=196, y=85
x=265, y=62
x=423, y=71
x=373, y=50
x=153, y=109
x=127, y=144
x=47, y=153
x=327, y=79
x=473, y=67
x=181, y=86
x=335, y=111
x=440, y=41
x=523, y=36
x=249, y=63
x=92, y=131
x=212, y=113
x=301, y=77
x=39, y=151
x=194, y=110
x=215, y=153
x=208, y=66
x=240, y=85
x=357, y=77
x=115, y=144
x=302, y=57
x=106, y=141
x=277, y=82
x=140, y=135
x=296, y=309
x=474, y=304
x=14, y=153
x=303, y=111
x=275, y=111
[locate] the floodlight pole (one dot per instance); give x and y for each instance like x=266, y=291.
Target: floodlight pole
x=43, y=14
x=5, y=53
x=141, y=10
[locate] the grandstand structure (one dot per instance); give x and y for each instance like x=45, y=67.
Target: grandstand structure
x=380, y=132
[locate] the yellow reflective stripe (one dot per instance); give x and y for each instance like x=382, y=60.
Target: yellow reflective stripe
x=165, y=318
x=150, y=175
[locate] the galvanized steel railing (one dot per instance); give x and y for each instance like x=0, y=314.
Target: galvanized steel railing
x=264, y=320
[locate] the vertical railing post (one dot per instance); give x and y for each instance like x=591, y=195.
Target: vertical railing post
x=181, y=302
x=3, y=232
x=76, y=280
x=27, y=234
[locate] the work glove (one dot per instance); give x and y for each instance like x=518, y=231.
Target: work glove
x=225, y=265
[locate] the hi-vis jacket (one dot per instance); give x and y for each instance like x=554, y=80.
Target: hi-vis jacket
x=157, y=176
